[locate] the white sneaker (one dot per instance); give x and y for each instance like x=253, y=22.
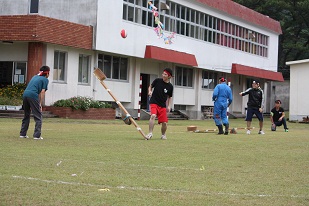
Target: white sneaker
x=23, y=136
x=261, y=132
x=248, y=132
x=163, y=137
x=148, y=136
x=37, y=138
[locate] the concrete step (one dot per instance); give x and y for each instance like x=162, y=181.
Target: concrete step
x=20, y=114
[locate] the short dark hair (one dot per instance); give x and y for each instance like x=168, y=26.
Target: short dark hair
x=255, y=82
x=44, y=68
x=44, y=71
x=278, y=101
x=169, y=71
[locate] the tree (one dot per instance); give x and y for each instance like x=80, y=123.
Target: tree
x=293, y=16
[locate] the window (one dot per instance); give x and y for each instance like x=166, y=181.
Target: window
x=114, y=67
x=20, y=72
x=83, y=69
x=184, y=77
x=59, y=66
x=34, y=6
x=209, y=79
x=192, y=23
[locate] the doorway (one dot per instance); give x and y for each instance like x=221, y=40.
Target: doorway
x=12, y=73
x=144, y=92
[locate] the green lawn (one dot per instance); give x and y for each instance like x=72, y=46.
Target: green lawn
x=90, y=162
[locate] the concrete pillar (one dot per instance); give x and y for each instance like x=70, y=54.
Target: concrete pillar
x=35, y=59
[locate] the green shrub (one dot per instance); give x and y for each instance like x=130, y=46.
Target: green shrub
x=12, y=94
x=83, y=103
x=11, y=101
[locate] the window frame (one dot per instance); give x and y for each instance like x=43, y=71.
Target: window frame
x=57, y=68
x=34, y=6
x=183, y=75
x=111, y=72
x=211, y=75
x=81, y=68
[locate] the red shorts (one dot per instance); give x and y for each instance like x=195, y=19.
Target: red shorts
x=160, y=112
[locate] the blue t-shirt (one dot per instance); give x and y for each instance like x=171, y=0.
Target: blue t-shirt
x=35, y=86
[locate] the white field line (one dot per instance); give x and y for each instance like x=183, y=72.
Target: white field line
x=155, y=189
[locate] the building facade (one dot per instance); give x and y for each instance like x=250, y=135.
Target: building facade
x=212, y=39
x=299, y=71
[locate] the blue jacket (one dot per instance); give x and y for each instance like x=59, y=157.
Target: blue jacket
x=222, y=94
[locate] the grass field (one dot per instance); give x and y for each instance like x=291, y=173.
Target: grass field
x=87, y=162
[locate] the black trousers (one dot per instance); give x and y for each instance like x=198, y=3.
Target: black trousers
x=283, y=122
x=31, y=105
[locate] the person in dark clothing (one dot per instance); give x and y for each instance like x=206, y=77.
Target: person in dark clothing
x=33, y=97
x=277, y=117
x=222, y=96
x=161, y=92
x=255, y=105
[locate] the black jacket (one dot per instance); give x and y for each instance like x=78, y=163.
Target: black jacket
x=256, y=98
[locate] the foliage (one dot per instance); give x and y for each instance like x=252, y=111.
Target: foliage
x=12, y=94
x=83, y=103
x=11, y=101
x=294, y=19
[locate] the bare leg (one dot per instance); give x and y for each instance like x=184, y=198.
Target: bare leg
x=248, y=124
x=163, y=128
x=261, y=125
x=152, y=122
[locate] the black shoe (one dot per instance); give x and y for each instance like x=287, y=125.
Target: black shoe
x=220, y=129
x=226, y=132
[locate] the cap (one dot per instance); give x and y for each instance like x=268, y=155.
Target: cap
x=169, y=71
x=278, y=101
x=222, y=79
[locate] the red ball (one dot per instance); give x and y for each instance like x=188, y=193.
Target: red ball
x=123, y=33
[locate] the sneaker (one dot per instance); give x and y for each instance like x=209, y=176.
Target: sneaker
x=163, y=137
x=286, y=130
x=148, y=136
x=37, y=138
x=248, y=132
x=23, y=136
x=226, y=132
x=261, y=132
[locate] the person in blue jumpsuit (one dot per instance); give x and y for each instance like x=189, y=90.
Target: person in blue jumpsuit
x=222, y=96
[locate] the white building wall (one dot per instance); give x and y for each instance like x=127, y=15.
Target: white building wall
x=70, y=87
x=77, y=11
x=14, y=52
x=299, y=96
x=208, y=55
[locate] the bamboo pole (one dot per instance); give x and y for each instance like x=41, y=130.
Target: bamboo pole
x=101, y=76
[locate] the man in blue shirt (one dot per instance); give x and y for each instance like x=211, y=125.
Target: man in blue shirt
x=33, y=96
x=222, y=96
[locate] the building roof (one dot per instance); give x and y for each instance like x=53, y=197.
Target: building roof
x=36, y=28
x=298, y=62
x=234, y=9
x=154, y=52
x=256, y=72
